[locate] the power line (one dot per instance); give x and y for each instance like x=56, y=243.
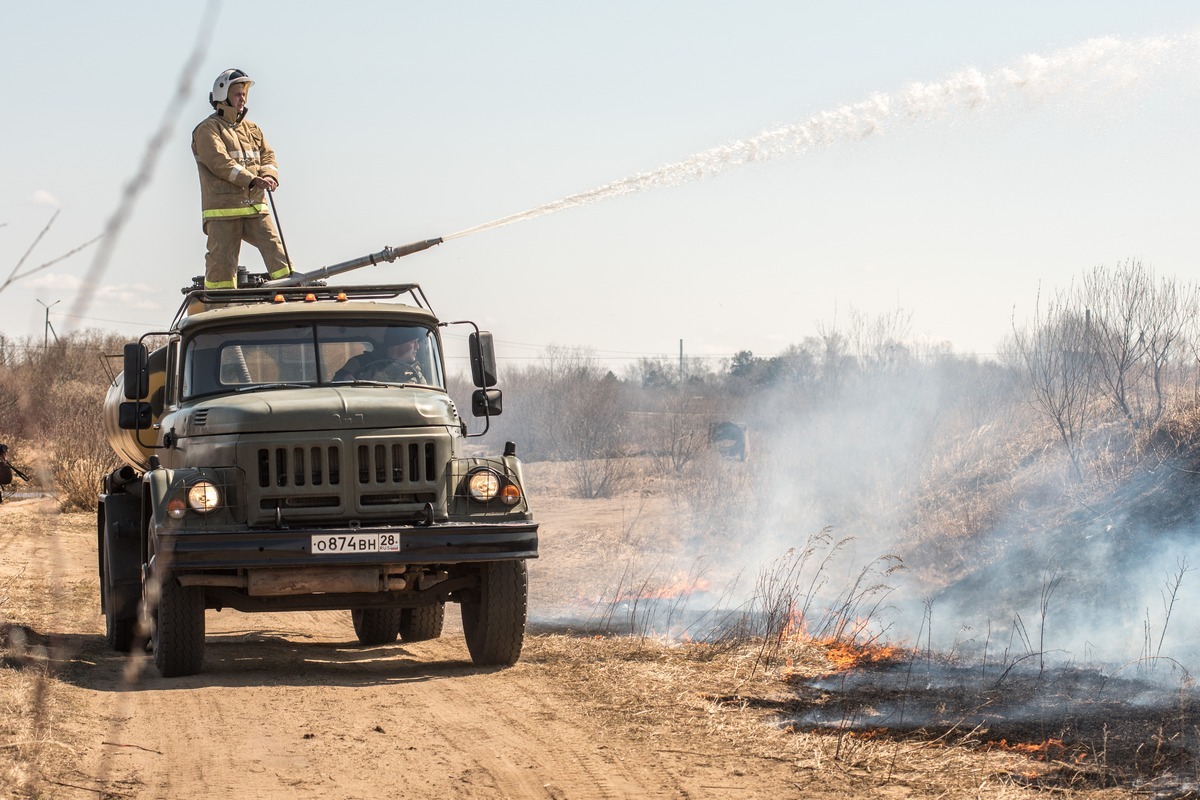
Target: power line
x=141, y=323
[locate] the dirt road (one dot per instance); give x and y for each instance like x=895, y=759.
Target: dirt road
x=290, y=706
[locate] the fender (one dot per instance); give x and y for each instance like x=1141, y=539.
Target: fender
x=120, y=534
x=158, y=484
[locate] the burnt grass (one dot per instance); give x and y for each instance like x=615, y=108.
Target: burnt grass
x=1090, y=729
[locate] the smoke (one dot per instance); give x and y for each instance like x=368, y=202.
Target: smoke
x=1105, y=584
x=936, y=462
x=1106, y=64
x=1006, y=554
x=43, y=198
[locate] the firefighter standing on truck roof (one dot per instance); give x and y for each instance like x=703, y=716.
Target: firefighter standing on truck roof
x=237, y=169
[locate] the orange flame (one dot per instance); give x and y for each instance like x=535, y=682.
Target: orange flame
x=679, y=585
x=844, y=656
x=1043, y=751
x=848, y=655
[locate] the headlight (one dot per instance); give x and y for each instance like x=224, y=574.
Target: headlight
x=203, y=497
x=484, y=485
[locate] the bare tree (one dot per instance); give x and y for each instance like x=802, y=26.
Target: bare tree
x=1118, y=300
x=592, y=436
x=880, y=342
x=1139, y=326
x=836, y=361
x=680, y=432
x=1170, y=318
x=1055, y=352
x=568, y=407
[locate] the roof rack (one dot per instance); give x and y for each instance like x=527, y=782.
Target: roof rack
x=200, y=299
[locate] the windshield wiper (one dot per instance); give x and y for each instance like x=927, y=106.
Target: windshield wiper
x=359, y=382
x=383, y=384
x=259, y=386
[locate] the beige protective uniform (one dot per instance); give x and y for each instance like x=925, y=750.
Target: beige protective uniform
x=230, y=154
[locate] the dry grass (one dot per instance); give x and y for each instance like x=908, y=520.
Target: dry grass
x=715, y=698
x=27, y=716
x=50, y=413
x=43, y=601
x=42, y=721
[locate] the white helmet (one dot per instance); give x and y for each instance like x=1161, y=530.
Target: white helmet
x=220, y=90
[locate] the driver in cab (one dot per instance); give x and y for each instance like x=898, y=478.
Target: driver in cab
x=394, y=362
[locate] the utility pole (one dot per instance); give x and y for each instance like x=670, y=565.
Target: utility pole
x=49, y=329
x=681, y=361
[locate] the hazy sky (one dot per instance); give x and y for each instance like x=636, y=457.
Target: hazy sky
x=400, y=121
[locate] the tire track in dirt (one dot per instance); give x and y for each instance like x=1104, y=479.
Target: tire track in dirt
x=534, y=752
x=297, y=709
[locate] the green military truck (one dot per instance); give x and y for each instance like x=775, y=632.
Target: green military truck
x=265, y=470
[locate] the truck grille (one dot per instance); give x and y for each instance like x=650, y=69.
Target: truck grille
x=299, y=466
x=396, y=463
x=339, y=480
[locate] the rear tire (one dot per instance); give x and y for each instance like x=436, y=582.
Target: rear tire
x=494, y=623
x=375, y=626
x=422, y=624
x=120, y=610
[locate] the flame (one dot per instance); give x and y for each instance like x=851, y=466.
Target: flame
x=1042, y=751
x=843, y=655
x=678, y=585
x=842, y=651
x=868, y=734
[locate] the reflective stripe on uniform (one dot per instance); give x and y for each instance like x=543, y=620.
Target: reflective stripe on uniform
x=280, y=273
x=244, y=211
x=233, y=173
x=220, y=284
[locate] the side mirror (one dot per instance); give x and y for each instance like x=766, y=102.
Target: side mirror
x=137, y=371
x=487, y=402
x=483, y=360
x=133, y=416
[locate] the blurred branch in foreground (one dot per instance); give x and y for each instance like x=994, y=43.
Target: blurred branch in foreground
x=129, y=195
x=16, y=273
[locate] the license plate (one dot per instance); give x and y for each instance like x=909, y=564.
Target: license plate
x=323, y=543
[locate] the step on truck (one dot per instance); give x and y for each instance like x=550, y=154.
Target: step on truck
x=272, y=461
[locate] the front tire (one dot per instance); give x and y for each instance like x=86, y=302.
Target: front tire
x=178, y=630
x=494, y=620
x=375, y=626
x=174, y=616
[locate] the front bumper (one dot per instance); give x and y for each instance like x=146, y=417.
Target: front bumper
x=441, y=543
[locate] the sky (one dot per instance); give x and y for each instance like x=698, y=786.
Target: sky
x=1012, y=148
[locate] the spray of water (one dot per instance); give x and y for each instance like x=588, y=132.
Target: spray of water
x=1098, y=64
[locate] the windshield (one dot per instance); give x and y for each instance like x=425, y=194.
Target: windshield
x=310, y=355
